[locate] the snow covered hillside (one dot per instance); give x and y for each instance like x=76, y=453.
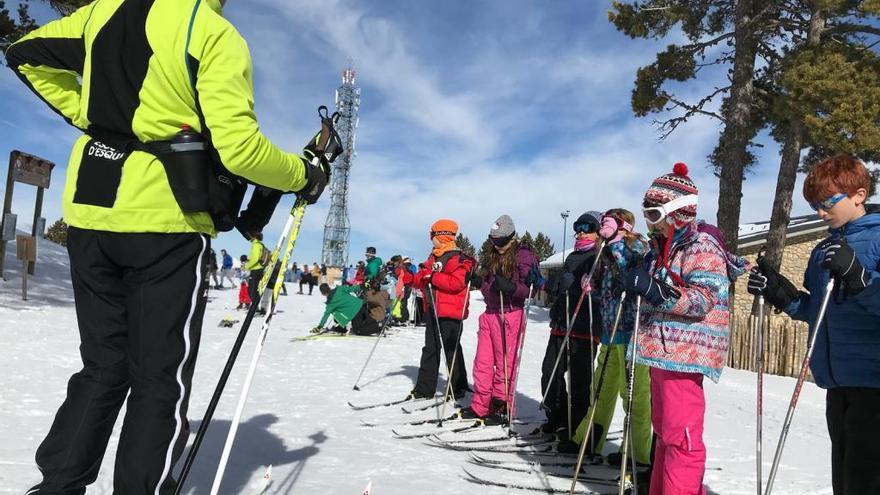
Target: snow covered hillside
x=297, y=419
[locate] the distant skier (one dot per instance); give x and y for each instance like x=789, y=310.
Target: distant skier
x=256, y=267
x=346, y=308
x=226, y=269
x=212, y=268
x=374, y=264
x=446, y=300
x=505, y=288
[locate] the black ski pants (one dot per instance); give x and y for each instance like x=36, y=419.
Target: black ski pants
x=426, y=384
x=363, y=323
x=139, y=299
x=254, y=285
x=419, y=317
x=853, y=416
x=556, y=403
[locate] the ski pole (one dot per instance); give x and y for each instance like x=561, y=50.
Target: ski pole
x=442, y=347
x=759, y=362
x=454, y=355
x=519, y=350
x=370, y=356
x=233, y=355
x=592, y=416
x=570, y=325
x=800, y=383
x=504, y=356
x=627, y=422
x=299, y=211
x=566, y=346
x=592, y=352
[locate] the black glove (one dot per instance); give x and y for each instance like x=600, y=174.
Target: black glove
x=503, y=285
x=259, y=211
x=657, y=292
x=316, y=181
x=765, y=281
x=841, y=261
x=475, y=280
x=565, y=281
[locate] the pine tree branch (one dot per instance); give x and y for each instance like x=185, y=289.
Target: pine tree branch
x=850, y=28
x=669, y=126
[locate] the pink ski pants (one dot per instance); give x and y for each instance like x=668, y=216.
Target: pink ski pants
x=489, y=361
x=678, y=406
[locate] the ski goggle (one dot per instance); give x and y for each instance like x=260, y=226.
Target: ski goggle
x=656, y=214
x=828, y=203
x=501, y=241
x=585, y=228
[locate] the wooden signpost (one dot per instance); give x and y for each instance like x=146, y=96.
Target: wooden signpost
x=35, y=171
x=26, y=251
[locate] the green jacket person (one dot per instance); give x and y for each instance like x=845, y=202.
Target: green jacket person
x=346, y=307
x=131, y=74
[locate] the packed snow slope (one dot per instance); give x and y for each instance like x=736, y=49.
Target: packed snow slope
x=297, y=419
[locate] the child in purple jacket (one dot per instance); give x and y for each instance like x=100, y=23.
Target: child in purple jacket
x=505, y=290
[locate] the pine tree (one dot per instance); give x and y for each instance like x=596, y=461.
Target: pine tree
x=542, y=247
x=465, y=245
x=823, y=93
x=727, y=33
x=485, y=250
x=57, y=232
x=14, y=27
x=527, y=240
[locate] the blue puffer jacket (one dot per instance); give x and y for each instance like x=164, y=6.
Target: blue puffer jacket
x=847, y=352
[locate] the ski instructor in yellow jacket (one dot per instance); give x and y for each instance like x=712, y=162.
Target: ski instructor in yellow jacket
x=155, y=86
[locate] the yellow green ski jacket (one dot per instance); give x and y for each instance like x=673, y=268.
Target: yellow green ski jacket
x=143, y=69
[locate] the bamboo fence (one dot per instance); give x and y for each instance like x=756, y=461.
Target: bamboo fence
x=785, y=344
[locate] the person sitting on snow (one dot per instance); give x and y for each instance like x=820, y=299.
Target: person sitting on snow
x=346, y=307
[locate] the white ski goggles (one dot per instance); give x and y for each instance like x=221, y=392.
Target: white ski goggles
x=657, y=214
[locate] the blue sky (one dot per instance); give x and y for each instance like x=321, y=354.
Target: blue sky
x=468, y=111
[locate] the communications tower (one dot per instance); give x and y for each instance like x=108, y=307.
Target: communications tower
x=337, y=228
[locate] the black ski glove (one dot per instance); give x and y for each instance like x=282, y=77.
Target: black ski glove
x=565, y=281
x=503, y=285
x=657, y=292
x=316, y=181
x=765, y=281
x=319, y=153
x=475, y=279
x=841, y=261
x=258, y=212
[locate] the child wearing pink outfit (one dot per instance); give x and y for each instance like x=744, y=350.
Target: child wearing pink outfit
x=684, y=327
x=505, y=289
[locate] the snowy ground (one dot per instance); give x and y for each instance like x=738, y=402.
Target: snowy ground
x=297, y=418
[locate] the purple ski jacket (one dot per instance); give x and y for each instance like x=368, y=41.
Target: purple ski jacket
x=525, y=260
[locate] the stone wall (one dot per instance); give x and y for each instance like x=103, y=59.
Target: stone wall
x=784, y=340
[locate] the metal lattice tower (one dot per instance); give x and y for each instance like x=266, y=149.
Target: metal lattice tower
x=337, y=228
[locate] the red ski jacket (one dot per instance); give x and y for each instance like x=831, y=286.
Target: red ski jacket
x=448, y=284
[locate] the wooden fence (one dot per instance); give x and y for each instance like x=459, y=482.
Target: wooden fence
x=785, y=343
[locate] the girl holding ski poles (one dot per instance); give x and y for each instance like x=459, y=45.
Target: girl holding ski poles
x=505, y=289
x=625, y=247
x=684, y=330
x=566, y=289
x=443, y=280
x=845, y=357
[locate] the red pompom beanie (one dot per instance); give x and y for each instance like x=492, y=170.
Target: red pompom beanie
x=671, y=186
